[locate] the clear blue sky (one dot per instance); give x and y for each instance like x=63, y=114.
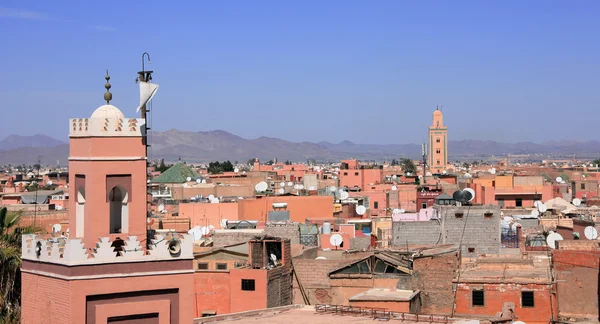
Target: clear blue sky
x=365, y=71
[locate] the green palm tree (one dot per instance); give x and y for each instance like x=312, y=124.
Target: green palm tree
x=408, y=166
x=10, y=265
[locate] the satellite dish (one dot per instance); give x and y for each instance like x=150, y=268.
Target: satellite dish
x=462, y=196
x=223, y=223
x=59, y=207
x=198, y=181
x=211, y=197
x=261, y=186
x=472, y=193
x=50, y=182
x=344, y=195
x=56, y=228
x=282, y=184
x=336, y=240
x=215, y=201
x=552, y=238
x=576, y=201
x=559, y=179
x=444, y=172
x=402, y=211
x=396, y=211
x=289, y=184
x=591, y=233
x=332, y=189
x=193, y=199
x=536, y=203
x=204, y=230
x=361, y=210
x=535, y=213
x=320, y=258
x=240, y=198
x=236, y=170
x=428, y=174
x=542, y=208
x=185, y=185
x=394, y=176
x=188, y=179
x=196, y=233
x=467, y=175
x=281, y=191
x=394, y=188
x=161, y=207
x=300, y=186
x=493, y=171
x=297, y=186
x=147, y=92
x=203, y=180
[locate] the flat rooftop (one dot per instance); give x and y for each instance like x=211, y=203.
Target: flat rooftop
x=385, y=294
x=299, y=314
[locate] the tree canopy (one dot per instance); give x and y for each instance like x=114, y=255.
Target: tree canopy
x=408, y=166
x=220, y=167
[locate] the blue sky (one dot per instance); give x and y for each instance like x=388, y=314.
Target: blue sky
x=365, y=71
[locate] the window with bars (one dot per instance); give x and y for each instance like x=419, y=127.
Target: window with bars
x=202, y=266
x=248, y=284
x=221, y=266
x=478, y=298
x=527, y=299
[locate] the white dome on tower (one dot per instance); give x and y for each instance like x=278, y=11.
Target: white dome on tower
x=108, y=111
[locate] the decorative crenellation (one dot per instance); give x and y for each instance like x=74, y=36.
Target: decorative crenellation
x=107, y=127
x=69, y=251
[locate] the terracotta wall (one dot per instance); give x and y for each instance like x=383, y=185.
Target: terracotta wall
x=212, y=292
x=300, y=207
x=248, y=300
x=577, y=282
x=204, y=214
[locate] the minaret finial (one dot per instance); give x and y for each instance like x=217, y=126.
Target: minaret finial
x=107, y=94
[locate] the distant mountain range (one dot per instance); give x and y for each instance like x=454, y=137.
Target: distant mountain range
x=221, y=145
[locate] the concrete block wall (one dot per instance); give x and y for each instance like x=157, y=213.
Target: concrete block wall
x=231, y=238
x=285, y=230
x=481, y=233
x=359, y=243
x=416, y=233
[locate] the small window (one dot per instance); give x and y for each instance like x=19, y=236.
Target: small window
x=202, y=265
x=437, y=140
x=424, y=205
x=478, y=298
x=209, y=313
x=438, y=151
x=355, y=173
x=438, y=162
x=248, y=284
x=501, y=202
x=376, y=205
x=471, y=250
x=345, y=173
x=527, y=299
x=519, y=202
x=583, y=186
x=221, y=266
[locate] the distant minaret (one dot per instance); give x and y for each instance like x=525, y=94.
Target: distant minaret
x=438, y=143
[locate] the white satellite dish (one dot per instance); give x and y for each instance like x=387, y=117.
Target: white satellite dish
x=396, y=211
x=428, y=174
x=300, y=186
x=332, y=189
x=161, y=207
x=493, y=171
x=203, y=180
x=59, y=207
x=536, y=203
x=215, y=201
x=147, y=92
x=281, y=191
x=563, y=182
x=297, y=186
x=188, y=179
x=193, y=198
x=542, y=208
x=535, y=213
x=240, y=198
x=552, y=238
x=444, y=172
x=394, y=188
x=282, y=184
x=223, y=223
x=196, y=233
x=576, y=201
x=198, y=181
x=289, y=184
x=336, y=240
x=467, y=175
x=236, y=170
x=361, y=210
x=559, y=179
x=394, y=176
x=56, y=228
x=402, y=211
x=261, y=186
x=185, y=185
x=472, y=193
x=204, y=230
x=211, y=197
x=50, y=182
x=408, y=173
x=344, y=195
x=591, y=233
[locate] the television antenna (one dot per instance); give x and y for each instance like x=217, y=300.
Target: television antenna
x=591, y=233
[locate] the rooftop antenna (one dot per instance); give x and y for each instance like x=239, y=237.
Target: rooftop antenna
x=37, y=186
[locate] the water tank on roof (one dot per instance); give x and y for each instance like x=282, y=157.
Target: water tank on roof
x=326, y=228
